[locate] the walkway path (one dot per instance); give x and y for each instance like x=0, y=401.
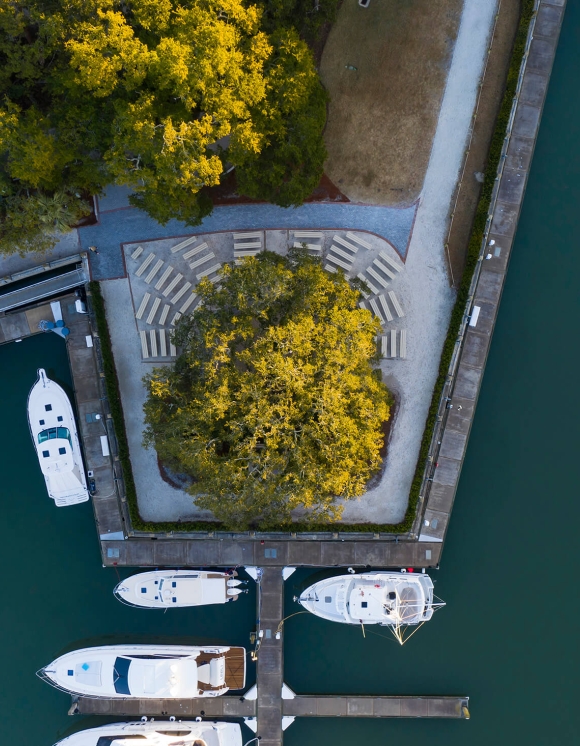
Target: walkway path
x=126, y=224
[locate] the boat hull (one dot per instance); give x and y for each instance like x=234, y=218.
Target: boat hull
x=148, y=671
x=363, y=599
x=55, y=438
x=159, y=733
x=174, y=589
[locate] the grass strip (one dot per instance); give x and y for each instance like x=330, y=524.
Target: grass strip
x=473, y=251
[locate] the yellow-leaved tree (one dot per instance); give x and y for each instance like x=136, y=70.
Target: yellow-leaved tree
x=274, y=403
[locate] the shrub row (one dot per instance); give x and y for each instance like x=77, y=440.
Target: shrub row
x=473, y=251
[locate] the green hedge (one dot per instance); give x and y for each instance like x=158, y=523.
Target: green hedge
x=473, y=251
x=114, y=397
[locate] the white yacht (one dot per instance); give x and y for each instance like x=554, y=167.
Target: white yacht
x=397, y=600
x=148, y=671
x=55, y=437
x=173, y=589
x=158, y=733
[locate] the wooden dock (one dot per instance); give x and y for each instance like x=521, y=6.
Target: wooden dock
x=455, y=708
x=270, y=706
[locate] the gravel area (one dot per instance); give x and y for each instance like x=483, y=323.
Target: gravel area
x=430, y=297
x=158, y=501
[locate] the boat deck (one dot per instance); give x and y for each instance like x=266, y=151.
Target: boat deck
x=235, y=668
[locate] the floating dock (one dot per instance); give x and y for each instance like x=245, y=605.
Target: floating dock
x=300, y=706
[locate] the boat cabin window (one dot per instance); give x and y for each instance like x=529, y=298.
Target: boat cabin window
x=48, y=407
x=121, y=675
x=45, y=454
x=41, y=422
x=63, y=433
x=59, y=418
x=177, y=733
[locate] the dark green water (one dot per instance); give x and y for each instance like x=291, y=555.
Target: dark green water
x=508, y=635
x=56, y=596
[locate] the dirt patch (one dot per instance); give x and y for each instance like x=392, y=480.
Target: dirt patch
x=387, y=430
x=385, y=68
x=492, y=89
x=173, y=479
x=227, y=193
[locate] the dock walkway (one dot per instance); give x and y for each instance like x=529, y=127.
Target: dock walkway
x=301, y=706
x=270, y=668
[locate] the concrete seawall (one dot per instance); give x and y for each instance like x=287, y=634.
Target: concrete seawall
x=458, y=402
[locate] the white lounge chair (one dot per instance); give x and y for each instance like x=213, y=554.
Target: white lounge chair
x=163, y=279
x=390, y=262
x=137, y=252
x=359, y=240
x=197, y=250
x=178, y=277
x=183, y=244
x=156, y=267
x=202, y=260
x=403, y=344
x=144, y=350
x=398, y=309
x=143, y=306
x=153, y=311
x=181, y=292
x=146, y=262
x=347, y=244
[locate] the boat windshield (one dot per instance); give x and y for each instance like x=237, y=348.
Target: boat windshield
x=63, y=433
x=121, y=675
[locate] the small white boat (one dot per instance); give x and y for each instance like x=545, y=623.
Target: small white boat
x=148, y=671
x=158, y=733
x=55, y=437
x=173, y=589
x=397, y=600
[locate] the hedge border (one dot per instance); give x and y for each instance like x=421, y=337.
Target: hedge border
x=473, y=251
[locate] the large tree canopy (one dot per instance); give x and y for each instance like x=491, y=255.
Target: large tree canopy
x=273, y=403
x=159, y=95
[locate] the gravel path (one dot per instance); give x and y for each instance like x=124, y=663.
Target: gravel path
x=429, y=294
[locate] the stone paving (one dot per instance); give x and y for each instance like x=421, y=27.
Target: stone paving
x=160, y=286
x=122, y=225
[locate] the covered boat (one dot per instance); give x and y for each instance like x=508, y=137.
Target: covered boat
x=158, y=733
x=55, y=437
x=397, y=600
x=172, y=589
x=148, y=671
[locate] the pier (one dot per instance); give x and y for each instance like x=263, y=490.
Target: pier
x=271, y=706
x=455, y=708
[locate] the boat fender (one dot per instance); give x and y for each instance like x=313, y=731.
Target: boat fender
x=198, y=720
x=144, y=719
x=172, y=719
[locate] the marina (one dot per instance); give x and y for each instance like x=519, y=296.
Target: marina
x=344, y=678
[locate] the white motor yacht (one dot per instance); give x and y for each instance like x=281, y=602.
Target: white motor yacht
x=397, y=600
x=55, y=437
x=173, y=589
x=148, y=671
x=158, y=733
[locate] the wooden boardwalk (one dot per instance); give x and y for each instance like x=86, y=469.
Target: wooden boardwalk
x=301, y=706
x=270, y=669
